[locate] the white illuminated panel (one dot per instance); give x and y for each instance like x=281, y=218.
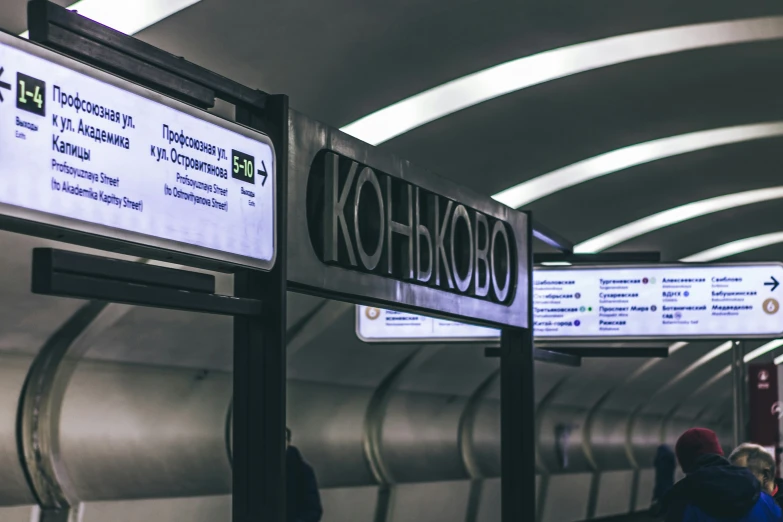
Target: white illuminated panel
x=644, y=302
x=128, y=16
x=379, y=325
x=89, y=152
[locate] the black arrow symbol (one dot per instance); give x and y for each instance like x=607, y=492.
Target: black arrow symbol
x=262, y=172
x=774, y=283
x=3, y=85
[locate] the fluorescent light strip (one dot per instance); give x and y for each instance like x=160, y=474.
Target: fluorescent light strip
x=715, y=378
x=128, y=16
x=481, y=86
x=735, y=247
x=676, y=215
x=676, y=347
x=758, y=352
x=631, y=156
x=778, y=360
x=720, y=350
x=761, y=350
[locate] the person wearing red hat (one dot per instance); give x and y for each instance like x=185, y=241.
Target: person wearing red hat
x=713, y=490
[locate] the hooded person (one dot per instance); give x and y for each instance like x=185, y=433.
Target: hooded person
x=665, y=465
x=303, y=501
x=713, y=490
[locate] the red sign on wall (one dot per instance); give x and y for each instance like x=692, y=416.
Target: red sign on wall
x=764, y=408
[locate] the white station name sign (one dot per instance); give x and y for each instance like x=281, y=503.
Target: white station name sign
x=644, y=302
x=90, y=152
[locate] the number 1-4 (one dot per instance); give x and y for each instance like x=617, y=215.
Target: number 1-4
x=36, y=96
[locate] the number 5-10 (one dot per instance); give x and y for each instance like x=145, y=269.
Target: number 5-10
x=36, y=96
x=245, y=165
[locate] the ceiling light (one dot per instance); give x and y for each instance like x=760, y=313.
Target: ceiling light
x=720, y=350
x=130, y=16
x=715, y=378
x=521, y=73
x=674, y=216
x=631, y=156
x=761, y=350
x=735, y=247
x=676, y=347
x=778, y=360
x=555, y=263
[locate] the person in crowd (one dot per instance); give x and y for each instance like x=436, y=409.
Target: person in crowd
x=713, y=490
x=777, y=493
x=758, y=461
x=665, y=465
x=762, y=464
x=303, y=502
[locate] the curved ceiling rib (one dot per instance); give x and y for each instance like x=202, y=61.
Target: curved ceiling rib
x=733, y=248
x=631, y=156
x=761, y=350
x=712, y=354
x=128, y=17
x=676, y=215
x=750, y=356
x=481, y=86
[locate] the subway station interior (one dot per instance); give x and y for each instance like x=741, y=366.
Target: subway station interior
x=623, y=126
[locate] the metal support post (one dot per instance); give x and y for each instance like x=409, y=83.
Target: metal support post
x=517, y=427
x=518, y=416
x=259, y=411
x=738, y=389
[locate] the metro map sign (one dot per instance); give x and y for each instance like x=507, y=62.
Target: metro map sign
x=621, y=303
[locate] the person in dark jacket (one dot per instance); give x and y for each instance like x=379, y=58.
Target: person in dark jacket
x=303, y=502
x=713, y=490
x=665, y=465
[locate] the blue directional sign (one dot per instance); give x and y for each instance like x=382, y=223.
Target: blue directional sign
x=625, y=303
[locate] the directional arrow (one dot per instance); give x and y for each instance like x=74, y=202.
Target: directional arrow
x=262, y=172
x=774, y=283
x=3, y=85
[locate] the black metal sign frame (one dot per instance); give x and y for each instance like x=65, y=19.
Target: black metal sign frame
x=333, y=175
x=258, y=408
x=489, y=299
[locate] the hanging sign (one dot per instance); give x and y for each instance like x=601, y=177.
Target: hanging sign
x=89, y=152
x=368, y=227
x=623, y=303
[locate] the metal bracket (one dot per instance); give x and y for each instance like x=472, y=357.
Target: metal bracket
x=68, y=274
x=75, y=35
x=573, y=356
x=552, y=238
x=561, y=358
x=612, y=353
x=601, y=258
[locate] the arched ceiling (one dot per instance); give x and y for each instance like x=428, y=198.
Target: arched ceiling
x=340, y=61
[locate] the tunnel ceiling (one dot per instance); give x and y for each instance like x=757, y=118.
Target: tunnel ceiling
x=340, y=61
